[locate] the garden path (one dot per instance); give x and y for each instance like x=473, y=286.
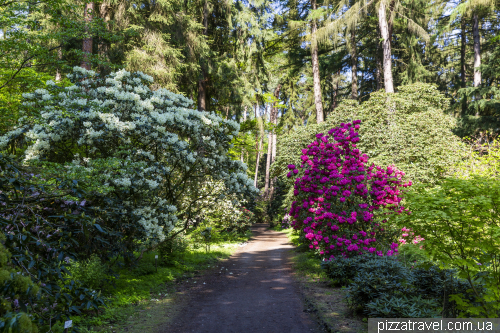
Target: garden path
x=253, y=293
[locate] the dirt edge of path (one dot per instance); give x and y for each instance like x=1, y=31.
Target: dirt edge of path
x=325, y=304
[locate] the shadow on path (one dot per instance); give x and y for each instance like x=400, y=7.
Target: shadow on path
x=254, y=292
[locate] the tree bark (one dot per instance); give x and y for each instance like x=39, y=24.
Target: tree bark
x=477, y=50
x=58, y=69
x=386, y=48
x=463, y=45
x=269, y=154
x=378, y=71
x=354, y=67
x=258, y=147
x=202, y=92
x=335, y=91
x=202, y=82
x=274, y=136
x=244, y=119
x=477, y=55
x=315, y=68
x=87, y=42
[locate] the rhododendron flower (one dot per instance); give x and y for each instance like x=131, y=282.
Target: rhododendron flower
x=333, y=165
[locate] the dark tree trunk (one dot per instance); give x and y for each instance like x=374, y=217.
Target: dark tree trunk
x=354, y=66
x=463, y=45
x=202, y=82
x=87, y=42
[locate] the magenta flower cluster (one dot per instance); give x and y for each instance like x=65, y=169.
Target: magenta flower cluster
x=337, y=195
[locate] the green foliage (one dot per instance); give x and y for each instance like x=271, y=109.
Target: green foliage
x=342, y=270
x=11, y=95
x=385, y=287
x=169, y=249
x=17, y=289
x=92, y=273
x=459, y=219
x=44, y=233
x=145, y=267
x=408, y=128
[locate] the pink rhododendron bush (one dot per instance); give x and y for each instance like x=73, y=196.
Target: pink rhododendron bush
x=341, y=201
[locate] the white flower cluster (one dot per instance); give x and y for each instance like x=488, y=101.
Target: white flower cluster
x=148, y=145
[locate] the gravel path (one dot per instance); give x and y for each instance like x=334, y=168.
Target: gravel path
x=253, y=293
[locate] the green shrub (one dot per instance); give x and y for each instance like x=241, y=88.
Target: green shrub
x=408, y=128
x=460, y=221
x=385, y=287
x=391, y=306
x=342, y=270
x=17, y=289
x=92, y=273
x=378, y=277
x=145, y=267
x=169, y=249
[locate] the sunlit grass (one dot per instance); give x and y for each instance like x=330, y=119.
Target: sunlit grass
x=130, y=291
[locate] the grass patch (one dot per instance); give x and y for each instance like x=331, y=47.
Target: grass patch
x=141, y=299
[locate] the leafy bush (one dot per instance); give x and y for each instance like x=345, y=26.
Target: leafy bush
x=92, y=273
x=342, y=203
x=342, y=270
x=386, y=287
x=408, y=129
x=44, y=233
x=459, y=219
x=17, y=291
x=145, y=267
x=390, y=306
x=145, y=148
x=172, y=247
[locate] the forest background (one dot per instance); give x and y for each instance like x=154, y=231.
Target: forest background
x=271, y=65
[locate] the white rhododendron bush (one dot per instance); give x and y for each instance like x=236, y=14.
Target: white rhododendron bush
x=147, y=149
x=228, y=215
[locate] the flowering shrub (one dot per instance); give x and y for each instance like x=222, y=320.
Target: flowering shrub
x=286, y=222
x=145, y=148
x=338, y=195
x=408, y=237
x=228, y=215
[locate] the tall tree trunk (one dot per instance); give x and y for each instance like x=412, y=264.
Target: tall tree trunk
x=335, y=82
x=274, y=136
x=202, y=82
x=463, y=45
x=87, y=42
x=386, y=48
x=315, y=68
x=269, y=154
x=477, y=55
x=379, y=57
x=354, y=66
x=477, y=50
x=258, y=146
x=244, y=119
x=58, y=69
